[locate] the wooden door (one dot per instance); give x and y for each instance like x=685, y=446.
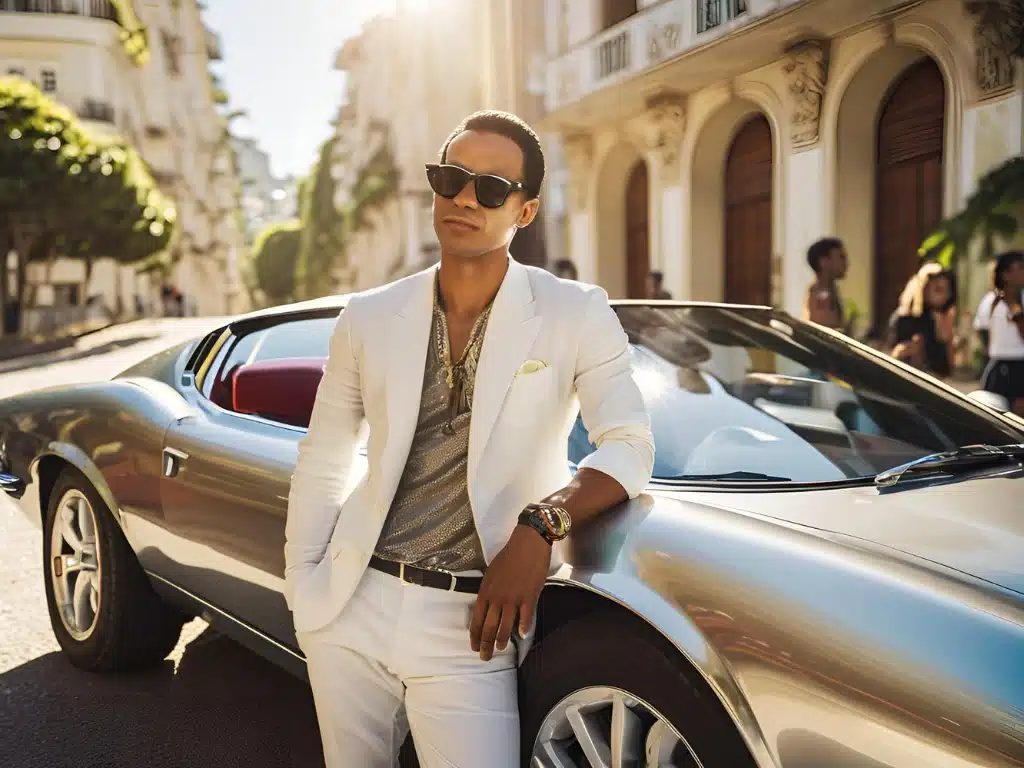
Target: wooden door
x=908, y=198
x=748, y=215
x=638, y=256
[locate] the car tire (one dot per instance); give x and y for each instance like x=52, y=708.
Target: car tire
x=615, y=651
x=130, y=626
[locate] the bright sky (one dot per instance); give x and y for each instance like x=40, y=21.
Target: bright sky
x=279, y=66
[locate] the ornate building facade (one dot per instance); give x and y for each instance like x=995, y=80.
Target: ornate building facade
x=407, y=87
x=166, y=108
x=714, y=140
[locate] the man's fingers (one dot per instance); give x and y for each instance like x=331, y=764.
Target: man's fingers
x=508, y=621
x=489, y=632
x=526, y=611
x=477, y=624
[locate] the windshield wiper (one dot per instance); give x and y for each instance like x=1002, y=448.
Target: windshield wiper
x=741, y=475
x=967, y=457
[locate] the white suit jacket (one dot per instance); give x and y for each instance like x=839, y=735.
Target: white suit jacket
x=578, y=362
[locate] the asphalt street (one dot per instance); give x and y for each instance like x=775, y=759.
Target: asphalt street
x=211, y=703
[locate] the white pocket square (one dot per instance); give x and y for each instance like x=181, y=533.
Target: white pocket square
x=531, y=366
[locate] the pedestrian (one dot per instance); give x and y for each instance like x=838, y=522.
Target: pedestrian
x=1004, y=374
x=565, y=269
x=407, y=593
x=656, y=287
x=823, y=305
x=922, y=329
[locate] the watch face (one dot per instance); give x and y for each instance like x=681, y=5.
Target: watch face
x=555, y=520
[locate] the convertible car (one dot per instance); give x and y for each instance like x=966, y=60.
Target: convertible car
x=826, y=570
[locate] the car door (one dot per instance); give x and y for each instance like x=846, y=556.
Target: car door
x=225, y=482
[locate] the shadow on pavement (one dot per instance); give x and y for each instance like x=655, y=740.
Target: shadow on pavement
x=71, y=353
x=224, y=706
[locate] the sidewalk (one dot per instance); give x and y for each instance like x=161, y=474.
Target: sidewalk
x=13, y=347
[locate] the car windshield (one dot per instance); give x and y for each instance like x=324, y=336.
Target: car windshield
x=752, y=394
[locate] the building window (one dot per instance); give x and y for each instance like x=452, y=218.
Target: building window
x=48, y=80
x=616, y=11
x=714, y=13
x=16, y=71
x=66, y=294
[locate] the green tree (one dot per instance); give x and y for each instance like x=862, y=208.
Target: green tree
x=66, y=192
x=274, y=256
x=323, y=236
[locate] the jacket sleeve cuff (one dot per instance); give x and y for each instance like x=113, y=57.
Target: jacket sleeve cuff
x=629, y=463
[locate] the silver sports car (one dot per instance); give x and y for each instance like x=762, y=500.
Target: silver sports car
x=827, y=569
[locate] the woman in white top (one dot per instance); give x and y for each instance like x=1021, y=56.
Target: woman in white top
x=1004, y=373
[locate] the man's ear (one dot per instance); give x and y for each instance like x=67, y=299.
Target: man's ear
x=528, y=214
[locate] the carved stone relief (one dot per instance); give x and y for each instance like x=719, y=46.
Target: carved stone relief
x=998, y=31
x=660, y=130
x=806, y=68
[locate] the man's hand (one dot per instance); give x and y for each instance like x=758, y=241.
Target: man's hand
x=511, y=585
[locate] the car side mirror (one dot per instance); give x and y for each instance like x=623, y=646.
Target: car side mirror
x=991, y=399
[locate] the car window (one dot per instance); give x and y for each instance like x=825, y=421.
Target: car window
x=306, y=338
x=757, y=393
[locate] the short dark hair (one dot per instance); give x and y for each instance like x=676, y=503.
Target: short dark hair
x=1003, y=263
x=656, y=276
x=820, y=249
x=565, y=265
x=512, y=127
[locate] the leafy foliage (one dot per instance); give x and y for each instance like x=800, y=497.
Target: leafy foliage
x=134, y=36
x=991, y=213
x=274, y=257
x=66, y=192
x=377, y=182
x=323, y=227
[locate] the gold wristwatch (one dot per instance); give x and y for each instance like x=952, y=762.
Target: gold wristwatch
x=551, y=522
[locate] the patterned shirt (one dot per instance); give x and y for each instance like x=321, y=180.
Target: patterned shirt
x=430, y=523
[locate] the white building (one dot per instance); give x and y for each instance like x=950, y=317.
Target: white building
x=715, y=140
x=266, y=199
x=73, y=50
x=408, y=87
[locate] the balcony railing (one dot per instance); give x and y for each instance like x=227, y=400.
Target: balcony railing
x=714, y=13
x=99, y=111
x=659, y=33
x=97, y=9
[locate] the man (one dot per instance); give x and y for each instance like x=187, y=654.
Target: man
x=827, y=258
x=565, y=269
x=468, y=375
x=656, y=286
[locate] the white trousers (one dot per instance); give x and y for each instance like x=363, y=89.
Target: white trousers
x=398, y=657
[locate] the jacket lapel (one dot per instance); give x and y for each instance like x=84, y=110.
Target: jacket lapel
x=511, y=331
x=407, y=340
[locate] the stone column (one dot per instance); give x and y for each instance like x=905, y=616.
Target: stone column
x=579, y=153
x=660, y=131
x=806, y=209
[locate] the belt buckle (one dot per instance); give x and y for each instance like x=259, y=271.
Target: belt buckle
x=401, y=575
x=451, y=583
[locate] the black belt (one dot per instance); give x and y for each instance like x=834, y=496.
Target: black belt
x=424, y=577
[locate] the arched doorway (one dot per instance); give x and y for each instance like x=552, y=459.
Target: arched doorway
x=908, y=196
x=638, y=255
x=748, y=214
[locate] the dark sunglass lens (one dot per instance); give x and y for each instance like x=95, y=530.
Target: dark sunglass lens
x=448, y=180
x=491, y=191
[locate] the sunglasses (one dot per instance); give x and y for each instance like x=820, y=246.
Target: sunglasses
x=491, y=191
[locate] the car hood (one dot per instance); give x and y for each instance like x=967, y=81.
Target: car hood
x=974, y=526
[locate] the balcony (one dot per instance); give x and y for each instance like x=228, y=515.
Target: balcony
x=97, y=112
x=97, y=9
x=659, y=34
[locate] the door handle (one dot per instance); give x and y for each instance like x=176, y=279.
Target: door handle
x=173, y=459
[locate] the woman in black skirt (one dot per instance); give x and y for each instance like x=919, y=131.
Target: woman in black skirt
x=1004, y=374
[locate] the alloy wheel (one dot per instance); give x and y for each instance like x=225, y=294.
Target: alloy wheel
x=601, y=727
x=74, y=565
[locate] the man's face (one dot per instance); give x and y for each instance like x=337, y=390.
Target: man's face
x=463, y=226
x=653, y=285
x=838, y=263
